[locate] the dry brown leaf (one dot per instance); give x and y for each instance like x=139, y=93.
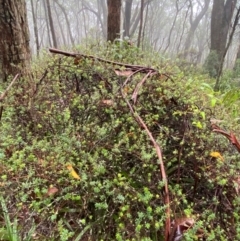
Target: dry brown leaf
x=236, y=183
x=179, y=226
x=51, y=191
x=124, y=73
x=107, y=102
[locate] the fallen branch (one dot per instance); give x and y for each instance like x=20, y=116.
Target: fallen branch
x=231, y=137
x=159, y=154
x=139, y=68
x=3, y=95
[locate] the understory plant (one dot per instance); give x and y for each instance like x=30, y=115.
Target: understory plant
x=77, y=165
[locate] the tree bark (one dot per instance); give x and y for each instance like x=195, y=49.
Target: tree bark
x=114, y=18
x=14, y=38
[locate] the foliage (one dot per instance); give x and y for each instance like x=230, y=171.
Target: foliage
x=211, y=64
x=236, y=71
x=77, y=166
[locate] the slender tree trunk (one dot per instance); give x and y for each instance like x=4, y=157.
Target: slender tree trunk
x=141, y=24
x=14, y=38
x=47, y=22
x=61, y=26
x=172, y=27
x=136, y=18
x=54, y=38
x=114, y=18
x=127, y=17
x=35, y=28
x=67, y=21
x=145, y=23
x=104, y=12
x=182, y=33
x=194, y=24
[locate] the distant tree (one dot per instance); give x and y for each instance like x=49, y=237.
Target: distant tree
x=141, y=23
x=114, y=19
x=14, y=38
x=67, y=21
x=35, y=27
x=221, y=19
x=52, y=29
x=194, y=24
x=127, y=17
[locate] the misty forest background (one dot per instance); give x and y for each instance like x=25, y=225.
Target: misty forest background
x=176, y=29
x=120, y=120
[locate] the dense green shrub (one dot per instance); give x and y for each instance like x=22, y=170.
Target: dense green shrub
x=74, y=114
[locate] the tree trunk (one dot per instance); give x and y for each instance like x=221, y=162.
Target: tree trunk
x=194, y=24
x=141, y=24
x=35, y=28
x=60, y=26
x=67, y=21
x=220, y=24
x=172, y=27
x=220, y=69
x=14, y=38
x=51, y=24
x=47, y=22
x=114, y=18
x=136, y=18
x=127, y=17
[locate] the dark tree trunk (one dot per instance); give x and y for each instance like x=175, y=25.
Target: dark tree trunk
x=220, y=24
x=114, y=17
x=14, y=38
x=127, y=17
x=220, y=68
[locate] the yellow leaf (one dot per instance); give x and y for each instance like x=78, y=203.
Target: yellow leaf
x=72, y=172
x=216, y=155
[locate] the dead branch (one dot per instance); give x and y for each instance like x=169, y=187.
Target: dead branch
x=3, y=95
x=230, y=136
x=159, y=154
x=139, y=68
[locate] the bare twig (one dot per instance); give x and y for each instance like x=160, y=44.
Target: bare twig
x=3, y=95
